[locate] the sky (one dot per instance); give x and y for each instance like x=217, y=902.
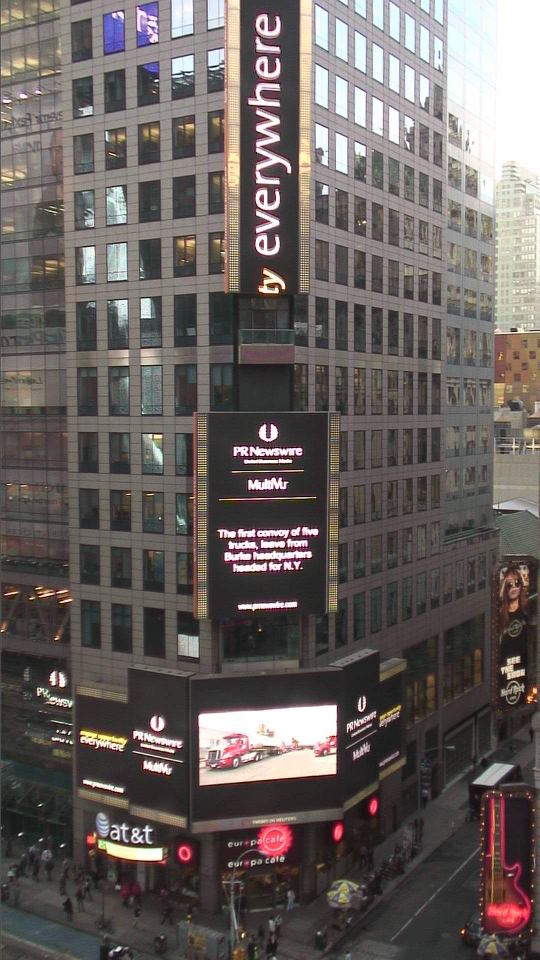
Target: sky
x=518, y=87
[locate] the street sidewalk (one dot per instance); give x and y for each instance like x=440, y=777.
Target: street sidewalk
x=442, y=817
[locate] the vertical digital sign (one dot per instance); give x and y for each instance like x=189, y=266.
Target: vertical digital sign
x=514, y=583
x=358, y=725
x=507, y=861
x=268, y=80
x=391, y=736
x=266, y=513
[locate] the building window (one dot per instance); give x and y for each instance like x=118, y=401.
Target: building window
x=421, y=679
x=463, y=658
x=183, y=77
x=83, y=97
x=216, y=252
x=116, y=205
x=149, y=201
x=154, y=570
x=185, y=319
x=116, y=262
x=147, y=84
x=117, y=324
x=154, y=632
x=183, y=137
x=150, y=321
x=216, y=192
x=114, y=39
x=121, y=628
x=321, y=202
x=87, y=402
x=342, y=395
x=147, y=23
x=83, y=153
x=121, y=567
x=152, y=453
x=184, y=572
x=149, y=142
x=300, y=387
x=88, y=509
x=321, y=387
x=119, y=391
x=183, y=454
x=185, y=389
x=181, y=18
x=89, y=563
x=114, y=90
x=321, y=322
x=215, y=14
x=120, y=509
x=216, y=70
x=342, y=265
x=359, y=617
x=85, y=265
x=321, y=259
x=150, y=259
x=221, y=386
x=85, y=318
x=151, y=391
x=185, y=256
x=216, y=131
x=88, y=453
x=184, y=514
x=91, y=624
x=119, y=453
x=115, y=148
x=81, y=41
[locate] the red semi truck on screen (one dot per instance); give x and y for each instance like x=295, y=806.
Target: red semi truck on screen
x=325, y=747
x=235, y=748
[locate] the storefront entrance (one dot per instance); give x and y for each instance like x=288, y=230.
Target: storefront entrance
x=267, y=890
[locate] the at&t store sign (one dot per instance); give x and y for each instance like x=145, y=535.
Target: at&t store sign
x=126, y=841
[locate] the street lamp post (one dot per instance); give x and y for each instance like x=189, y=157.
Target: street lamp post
x=235, y=886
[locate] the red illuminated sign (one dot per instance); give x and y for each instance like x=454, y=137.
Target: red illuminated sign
x=275, y=839
x=337, y=832
x=507, y=906
x=373, y=806
x=184, y=853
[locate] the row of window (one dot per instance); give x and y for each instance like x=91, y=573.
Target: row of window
x=466, y=481
x=462, y=440
x=368, y=503
x=153, y=568
x=404, y=131
x=469, y=347
x=152, y=454
x=384, y=172
x=380, y=332
x=15, y=13
x=184, y=201
x=150, y=313
x=182, y=22
x=116, y=86
x=414, y=36
x=399, y=230
x=381, y=552
x=402, y=280
x=352, y=101
x=149, y=143
x=153, y=629
x=120, y=511
x=150, y=264
x=399, y=398
x=375, y=449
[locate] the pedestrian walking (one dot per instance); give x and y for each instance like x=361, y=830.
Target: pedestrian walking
x=68, y=908
x=47, y=861
x=424, y=796
x=36, y=866
x=62, y=886
x=252, y=948
x=271, y=945
x=65, y=868
x=363, y=856
x=279, y=921
x=291, y=898
x=167, y=912
x=79, y=896
x=22, y=864
x=104, y=948
x=16, y=893
x=33, y=853
x=49, y=867
x=271, y=925
x=87, y=887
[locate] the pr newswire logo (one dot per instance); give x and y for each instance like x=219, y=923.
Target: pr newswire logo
x=268, y=433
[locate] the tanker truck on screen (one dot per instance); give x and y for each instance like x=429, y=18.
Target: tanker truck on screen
x=235, y=748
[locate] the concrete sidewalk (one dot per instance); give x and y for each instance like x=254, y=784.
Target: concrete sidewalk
x=442, y=817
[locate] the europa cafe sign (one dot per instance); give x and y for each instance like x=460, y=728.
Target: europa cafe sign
x=126, y=841
x=267, y=143
x=272, y=845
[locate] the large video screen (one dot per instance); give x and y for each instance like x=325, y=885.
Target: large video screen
x=270, y=751
x=280, y=744
x=267, y=525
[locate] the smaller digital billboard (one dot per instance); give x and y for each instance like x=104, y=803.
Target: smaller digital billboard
x=102, y=746
x=267, y=491
x=507, y=861
x=514, y=582
x=276, y=744
x=275, y=733
x=391, y=735
x=359, y=725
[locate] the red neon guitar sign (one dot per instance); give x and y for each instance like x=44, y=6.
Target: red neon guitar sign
x=507, y=908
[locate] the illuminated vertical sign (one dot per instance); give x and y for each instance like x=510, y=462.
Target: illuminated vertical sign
x=514, y=590
x=266, y=513
x=507, y=860
x=268, y=80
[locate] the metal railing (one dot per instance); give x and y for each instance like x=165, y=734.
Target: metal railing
x=265, y=336
x=515, y=445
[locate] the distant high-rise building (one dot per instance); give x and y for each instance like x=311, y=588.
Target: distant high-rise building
x=517, y=300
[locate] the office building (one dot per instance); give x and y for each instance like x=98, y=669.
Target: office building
x=517, y=201
x=390, y=325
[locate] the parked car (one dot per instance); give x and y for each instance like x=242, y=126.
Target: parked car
x=472, y=932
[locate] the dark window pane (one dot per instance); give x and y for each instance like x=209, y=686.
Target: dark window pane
x=83, y=97
x=117, y=324
x=221, y=318
x=83, y=153
x=88, y=453
x=216, y=192
x=89, y=563
x=154, y=632
x=85, y=313
x=185, y=388
x=149, y=201
x=184, y=256
x=216, y=252
x=216, y=131
x=121, y=628
x=150, y=259
x=216, y=70
x=114, y=90
x=115, y=148
x=120, y=509
x=90, y=623
x=183, y=137
x=147, y=84
x=121, y=567
x=149, y=143
x=185, y=319
x=184, y=196
x=119, y=453
x=88, y=509
x=81, y=40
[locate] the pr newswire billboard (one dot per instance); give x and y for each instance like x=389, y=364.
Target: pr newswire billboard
x=135, y=752
x=265, y=746
x=266, y=513
x=268, y=77
x=359, y=725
